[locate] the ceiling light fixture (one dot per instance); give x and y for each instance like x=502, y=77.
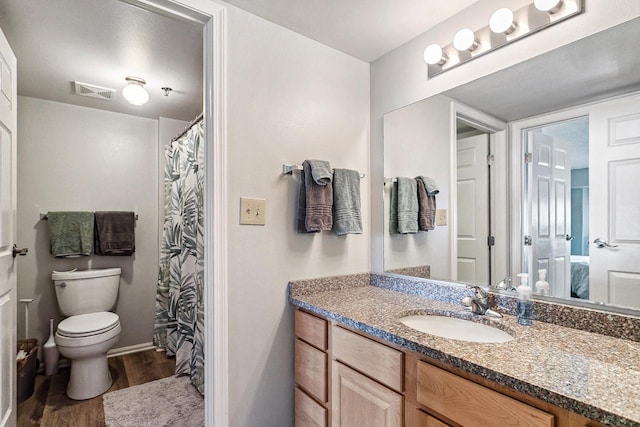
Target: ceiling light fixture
x=549, y=6
x=515, y=24
x=134, y=91
x=166, y=90
x=465, y=40
x=501, y=21
x=433, y=55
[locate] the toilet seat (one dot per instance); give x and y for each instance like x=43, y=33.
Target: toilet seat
x=87, y=325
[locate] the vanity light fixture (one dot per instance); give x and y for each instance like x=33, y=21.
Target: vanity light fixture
x=501, y=21
x=433, y=55
x=549, y=6
x=134, y=92
x=465, y=40
x=505, y=26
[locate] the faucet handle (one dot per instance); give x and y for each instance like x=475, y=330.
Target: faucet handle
x=480, y=292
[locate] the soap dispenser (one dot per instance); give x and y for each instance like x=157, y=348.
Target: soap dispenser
x=542, y=286
x=525, y=305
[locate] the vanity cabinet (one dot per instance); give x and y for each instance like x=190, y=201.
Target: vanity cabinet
x=348, y=379
x=311, y=371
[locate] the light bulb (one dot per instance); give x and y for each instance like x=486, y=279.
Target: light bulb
x=465, y=40
x=433, y=55
x=549, y=6
x=502, y=21
x=134, y=91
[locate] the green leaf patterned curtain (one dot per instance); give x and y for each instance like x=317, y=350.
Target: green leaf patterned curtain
x=179, y=322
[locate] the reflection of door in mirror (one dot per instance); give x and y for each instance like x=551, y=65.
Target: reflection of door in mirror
x=615, y=159
x=473, y=206
x=549, y=202
x=597, y=223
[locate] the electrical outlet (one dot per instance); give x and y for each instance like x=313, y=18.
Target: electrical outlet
x=252, y=211
x=441, y=217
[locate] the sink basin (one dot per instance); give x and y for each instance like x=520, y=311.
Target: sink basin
x=457, y=329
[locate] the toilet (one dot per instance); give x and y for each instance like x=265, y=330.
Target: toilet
x=90, y=330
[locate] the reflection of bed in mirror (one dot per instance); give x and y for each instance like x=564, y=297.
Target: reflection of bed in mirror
x=580, y=276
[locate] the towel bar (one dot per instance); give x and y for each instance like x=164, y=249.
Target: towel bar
x=46, y=216
x=287, y=169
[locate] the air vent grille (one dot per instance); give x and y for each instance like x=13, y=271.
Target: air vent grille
x=93, y=91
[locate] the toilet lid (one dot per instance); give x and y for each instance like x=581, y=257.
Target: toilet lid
x=88, y=324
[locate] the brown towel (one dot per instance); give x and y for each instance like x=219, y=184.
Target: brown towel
x=114, y=233
x=426, y=207
x=319, y=202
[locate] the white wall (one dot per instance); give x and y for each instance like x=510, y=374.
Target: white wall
x=289, y=99
x=417, y=143
x=400, y=77
x=77, y=158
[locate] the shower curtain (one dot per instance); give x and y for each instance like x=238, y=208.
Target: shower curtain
x=179, y=322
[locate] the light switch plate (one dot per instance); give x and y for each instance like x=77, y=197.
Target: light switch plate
x=441, y=217
x=252, y=211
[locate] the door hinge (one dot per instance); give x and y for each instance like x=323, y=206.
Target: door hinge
x=491, y=241
x=528, y=241
x=490, y=160
x=528, y=157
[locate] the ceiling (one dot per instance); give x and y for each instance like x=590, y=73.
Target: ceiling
x=101, y=42
x=365, y=29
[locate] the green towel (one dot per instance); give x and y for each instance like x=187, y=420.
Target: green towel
x=71, y=233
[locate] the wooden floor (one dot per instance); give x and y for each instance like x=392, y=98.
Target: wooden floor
x=49, y=405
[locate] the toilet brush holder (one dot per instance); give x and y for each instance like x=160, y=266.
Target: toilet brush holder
x=50, y=353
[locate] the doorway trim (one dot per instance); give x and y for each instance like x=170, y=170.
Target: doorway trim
x=213, y=17
x=496, y=130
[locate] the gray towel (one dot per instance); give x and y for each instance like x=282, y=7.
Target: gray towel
x=70, y=233
x=319, y=202
x=321, y=171
x=430, y=185
x=302, y=205
x=426, y=207
x=346, y=208
x=393, y=208
x=115, y=233
x=407, y=207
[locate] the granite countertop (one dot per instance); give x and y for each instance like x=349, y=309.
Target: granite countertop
x=595, y=375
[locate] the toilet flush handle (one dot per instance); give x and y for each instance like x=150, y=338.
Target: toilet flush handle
x=62, y=284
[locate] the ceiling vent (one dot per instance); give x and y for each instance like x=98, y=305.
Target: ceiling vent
x=93, y=91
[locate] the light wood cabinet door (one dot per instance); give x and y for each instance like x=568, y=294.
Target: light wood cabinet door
x=311, y=370
x=358, y=401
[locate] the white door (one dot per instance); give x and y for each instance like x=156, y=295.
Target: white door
x=549, y=195
x=473, y=209
x=8, y=120
x=614, y=157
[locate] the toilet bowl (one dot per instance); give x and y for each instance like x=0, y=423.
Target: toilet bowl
x=91, y=330
x=85, y=340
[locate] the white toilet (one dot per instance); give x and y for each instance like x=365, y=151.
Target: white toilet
x=91, y=330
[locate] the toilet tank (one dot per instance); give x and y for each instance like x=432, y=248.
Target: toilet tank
x=86, y=291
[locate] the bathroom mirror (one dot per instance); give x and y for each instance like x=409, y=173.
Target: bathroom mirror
x=473, y=141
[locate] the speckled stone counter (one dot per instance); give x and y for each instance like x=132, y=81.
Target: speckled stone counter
x=595, y=375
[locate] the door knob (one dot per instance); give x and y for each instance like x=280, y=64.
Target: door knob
x=602, y=243
x=568, y=237
x=21, y=252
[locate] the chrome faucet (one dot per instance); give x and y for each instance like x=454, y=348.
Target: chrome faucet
x=505, y=284
x=479, y=303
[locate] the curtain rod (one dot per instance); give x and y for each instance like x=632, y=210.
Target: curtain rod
x=193, y=122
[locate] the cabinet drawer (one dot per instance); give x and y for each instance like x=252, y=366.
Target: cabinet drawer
x=376, y=360
x=308, y=412
x=311, y=329
x=426, y=420
x=471, y=404
x=311, y=370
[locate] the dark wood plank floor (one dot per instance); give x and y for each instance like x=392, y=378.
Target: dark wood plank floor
x=49, y=406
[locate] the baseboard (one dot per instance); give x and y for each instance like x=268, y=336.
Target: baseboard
x=130, y=349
